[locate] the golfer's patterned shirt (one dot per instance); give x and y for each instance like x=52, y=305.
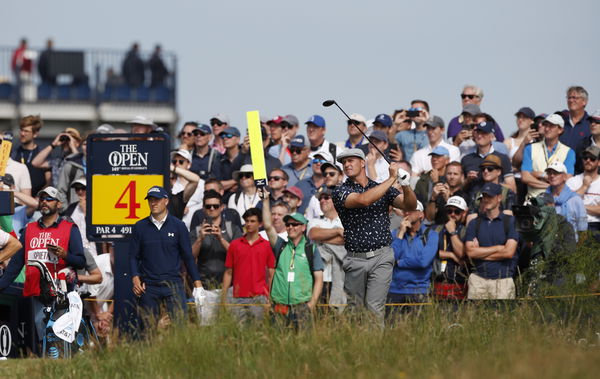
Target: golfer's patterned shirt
x=365, y=229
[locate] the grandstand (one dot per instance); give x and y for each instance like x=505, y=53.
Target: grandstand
x=88, y=90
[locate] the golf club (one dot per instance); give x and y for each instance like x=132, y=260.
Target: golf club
x=328, y=103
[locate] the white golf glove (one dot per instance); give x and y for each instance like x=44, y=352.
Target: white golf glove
x=403, y=177
x=199, y=295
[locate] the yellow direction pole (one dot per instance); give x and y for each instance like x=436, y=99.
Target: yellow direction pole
x=257, y=151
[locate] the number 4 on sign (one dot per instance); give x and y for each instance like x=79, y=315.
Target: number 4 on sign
x=132, y=204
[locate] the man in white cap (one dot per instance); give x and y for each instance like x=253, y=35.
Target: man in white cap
x=219, y=123
x=142, y=125
x=415, y=248
x=449, y=268
x=355, y=137
x=539, y=155
x=363, y=207
x=567, y=203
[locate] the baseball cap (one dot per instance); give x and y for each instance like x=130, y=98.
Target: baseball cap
x=557, y=166
x=555, y=119
x=351, y=153
x=593, y=150
x=527, y=112
x=295, y=191
x=595, y=117
x=420, y=206
x=435, y=121
x=472, y=109
x=378, y=135
x=458, y=202
x=184, y=153
x=142, y=120
x=491, y=189
x=383, y=119
x=291, y=119
x=296, y=217
x=157, y=192
x=317, y=120
x=322, y=153
x=275, y=120
x=81, y=181
x=440, y=150
x=298, y=141
x=231, y=130
x=245, y=168
x=204, y=128
x=358, y=117
x=221, y=117
x=105, y=129
x=335, y=165
x=491, y=160
x=323, y=191
x=50, y=191
x=486, y=126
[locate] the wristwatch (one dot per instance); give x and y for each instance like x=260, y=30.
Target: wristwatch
x=453, y=233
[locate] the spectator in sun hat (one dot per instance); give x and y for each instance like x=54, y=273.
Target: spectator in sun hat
x=246, y=197
x=539, y=155
x=141, y=124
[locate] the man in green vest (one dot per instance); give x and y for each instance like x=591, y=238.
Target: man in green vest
x=539, y=155
x=298, y=279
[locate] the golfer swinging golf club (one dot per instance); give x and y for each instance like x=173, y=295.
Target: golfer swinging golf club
x=363, y=207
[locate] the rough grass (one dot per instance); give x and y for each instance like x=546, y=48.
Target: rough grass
x=552, y=339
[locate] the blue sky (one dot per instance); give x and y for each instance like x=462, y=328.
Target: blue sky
x=287, y=57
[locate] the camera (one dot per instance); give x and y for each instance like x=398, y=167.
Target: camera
x=525, y=217
x=413, y=112
x=64, y=138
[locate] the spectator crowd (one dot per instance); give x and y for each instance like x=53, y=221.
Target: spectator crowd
x=285, y=245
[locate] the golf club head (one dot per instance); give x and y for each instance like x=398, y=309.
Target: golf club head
x=328, y=103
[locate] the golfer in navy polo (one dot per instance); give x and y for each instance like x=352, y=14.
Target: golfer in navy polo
x=159, y=243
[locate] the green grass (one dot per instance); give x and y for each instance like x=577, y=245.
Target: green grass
x=553, y=339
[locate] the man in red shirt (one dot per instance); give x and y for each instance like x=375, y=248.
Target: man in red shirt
x=250, y=265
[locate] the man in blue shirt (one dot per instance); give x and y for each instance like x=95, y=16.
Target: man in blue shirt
x=158, y=245
x=577, y=124
x=414, y=252
x=491, y=242
x=567, y=203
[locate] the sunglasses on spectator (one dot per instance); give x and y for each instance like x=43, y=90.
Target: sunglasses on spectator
x=330, y=173
x=490, y=168
x=453, y=211
x=317, y=160
x=227, y=135
x=180, y=161
x=465, y=96
x=48, y=198
x=275, y=178
x=187, y=134
x=292, y=224
x=296, y=151
x=286, y=125
x=79, y=188
x=212, y=206
x=216, y=122
x=590, y=158
x=197, y=133
x=324, y=197
x=353, y=122
x=245, y=175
